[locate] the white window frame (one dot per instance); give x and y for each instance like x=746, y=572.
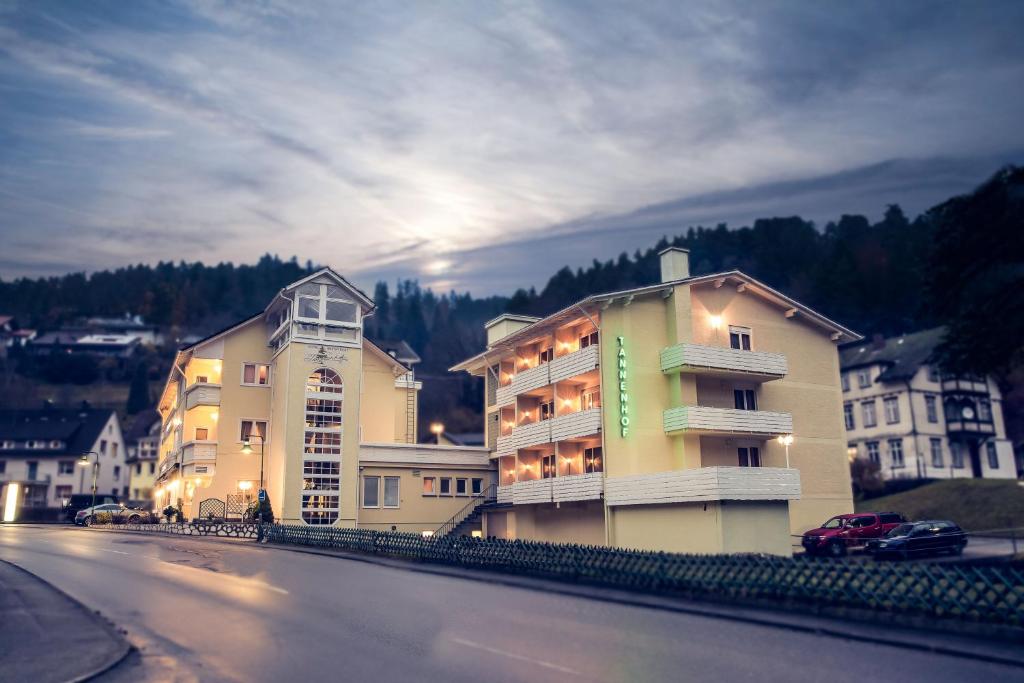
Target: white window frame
x=440, y=492
x=865, y=412
x=266, y=436
x=935, y=449
x=931, y=408
x=844, y=380
x=741, y=332
x=362, y=491
x=384, y=493
x=322, y=311
x=992, y=453
x=256, y=373
x=891, y=416
x=873, y=451
x=849, y=419
x=60, y=467
x=475, y=490
x=864, y=378
x=895, y=447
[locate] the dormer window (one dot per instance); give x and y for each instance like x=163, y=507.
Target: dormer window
x=7, y=445
x=325, y=304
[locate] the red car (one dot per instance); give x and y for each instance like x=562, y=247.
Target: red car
x=845, y=532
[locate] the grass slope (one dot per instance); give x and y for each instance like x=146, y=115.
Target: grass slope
x=974, y=504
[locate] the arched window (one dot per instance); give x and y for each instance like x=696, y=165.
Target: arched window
x=321, y=483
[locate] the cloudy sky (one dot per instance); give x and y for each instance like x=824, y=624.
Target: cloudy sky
x=480, y=145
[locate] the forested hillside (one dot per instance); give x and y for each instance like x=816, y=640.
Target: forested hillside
x=959, y=264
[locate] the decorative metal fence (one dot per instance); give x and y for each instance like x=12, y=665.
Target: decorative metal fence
x=986, y=594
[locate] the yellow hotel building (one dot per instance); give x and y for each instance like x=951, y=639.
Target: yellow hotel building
x=651, y=418
x=329, y=417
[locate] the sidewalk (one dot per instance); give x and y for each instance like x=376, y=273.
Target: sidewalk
x=46, y=636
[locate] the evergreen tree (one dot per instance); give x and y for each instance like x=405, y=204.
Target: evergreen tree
x=138, y=392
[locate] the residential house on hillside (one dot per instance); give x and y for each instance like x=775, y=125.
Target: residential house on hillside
x=11, y=335
x=128, y=325
x=142, y=441
x=698, y=414
x=902, y=413
x=40, y=452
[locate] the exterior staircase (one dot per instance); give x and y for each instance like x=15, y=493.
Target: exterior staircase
x=467, y=520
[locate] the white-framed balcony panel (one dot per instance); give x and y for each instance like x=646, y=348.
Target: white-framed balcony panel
x=704, y=484
x=202, y=394
x=724, y=361
x=534, y=378
x=578, y=487
x=580, y=423
x=532, y=434
x=702, y=420
x=574, y=364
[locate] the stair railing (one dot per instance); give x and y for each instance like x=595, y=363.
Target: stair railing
x=488, y=495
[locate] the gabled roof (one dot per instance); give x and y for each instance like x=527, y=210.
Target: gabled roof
x=902, y=356
x=576, y=310
x=77, y=429
x=333, y=274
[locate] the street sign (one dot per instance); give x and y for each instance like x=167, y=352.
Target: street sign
x=262, y=496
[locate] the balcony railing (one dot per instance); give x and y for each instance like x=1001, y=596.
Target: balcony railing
x=581, y=423
x=504, y=395
x=202, y=451
x=704, y=484
x=532, y=434
x=721, y=360
x=534, y=378
x=727, y=421
x=564, y=489
x=202, y=394
x=575, y=363
x=505, y=495
x=505, y=446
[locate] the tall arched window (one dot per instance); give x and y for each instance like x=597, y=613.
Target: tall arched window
x=321, y=467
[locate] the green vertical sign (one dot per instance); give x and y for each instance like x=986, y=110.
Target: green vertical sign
x=623, y=388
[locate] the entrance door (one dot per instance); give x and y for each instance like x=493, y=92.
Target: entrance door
x=975, y=448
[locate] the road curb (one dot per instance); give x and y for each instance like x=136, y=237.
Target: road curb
x=124, y=647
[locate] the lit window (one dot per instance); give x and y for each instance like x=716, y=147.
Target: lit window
x=253, y=429
x=202, y=433
x=588, y=340
x=592, y=460
x=255, y=374
x=429, y=486
x=319, y=475
x=318, y=509
x=547, y=468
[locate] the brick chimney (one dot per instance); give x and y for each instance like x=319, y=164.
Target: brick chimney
x=675, y=263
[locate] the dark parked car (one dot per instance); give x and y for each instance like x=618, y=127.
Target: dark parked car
x=846, y=532
x=80, y=501
x=920, y=538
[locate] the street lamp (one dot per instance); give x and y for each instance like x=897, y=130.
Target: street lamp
x=247, y=449
x=437, y=429
x=83, y=461
x=786, y=440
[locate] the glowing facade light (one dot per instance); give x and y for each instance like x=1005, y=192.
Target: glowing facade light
x=11, y=503
x=716, y=321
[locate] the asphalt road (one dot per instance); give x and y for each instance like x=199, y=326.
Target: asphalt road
x=229, y=611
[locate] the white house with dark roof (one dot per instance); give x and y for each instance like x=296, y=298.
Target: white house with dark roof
x=40, y=452
x=902, y=413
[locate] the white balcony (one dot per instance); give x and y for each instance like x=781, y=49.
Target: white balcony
x=704, y=484
x=505, y=446
x=572, y=425
x=202, y=394
x=505, y=495
x=578, y=487
x=723, y=361
x=504, y=395
x=574, y=364
x=198, y=451
x=532, y=434
x=727, y=422
x=534, y=378
x=565, y=489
